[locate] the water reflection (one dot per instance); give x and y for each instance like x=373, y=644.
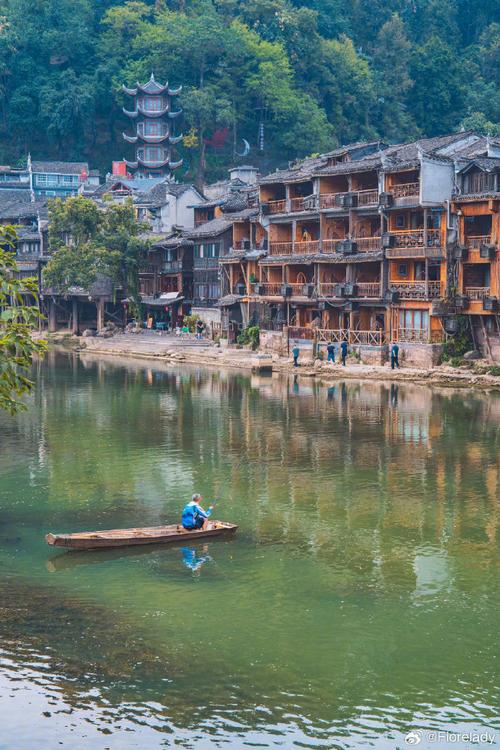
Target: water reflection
x=358, y=598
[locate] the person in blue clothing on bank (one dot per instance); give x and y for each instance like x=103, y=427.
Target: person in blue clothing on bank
x=194, y=516
x=295, y=354
x=331, y=352
x=343, y=351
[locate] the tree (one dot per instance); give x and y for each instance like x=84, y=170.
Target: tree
x=19, y=316
x=86, y=241
x=391, y=61
x=436, y=99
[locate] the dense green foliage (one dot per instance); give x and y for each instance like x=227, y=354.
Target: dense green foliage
x=19, y=316
x=103, y=242
x=313, y=72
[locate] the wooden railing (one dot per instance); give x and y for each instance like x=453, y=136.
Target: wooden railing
x=415, y=238
x=330, y=246
x=172, y=266
x=361, y=338
x=305, y=247
x=301, y=333
x=368, y=288
x=367, y=197
x=474, y=242
x=419, y=336
x=329, y=200
x=277, y=207
x=328, y=289
x=271, y=289
x=405, y=190
x=308, y=203
x=477, y=292
x=416, y=289
x=414, y=252
x=280, y=248
x=148, y=268
x=368, y=244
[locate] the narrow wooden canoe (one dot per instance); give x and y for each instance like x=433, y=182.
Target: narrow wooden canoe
x=130, y=537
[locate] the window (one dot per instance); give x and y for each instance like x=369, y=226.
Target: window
x=417, y=320
x=403, y=269
x=152, y=103
x=198, y=251
x=152, y=128
x=170, y=255
x=153, y=153
x=419, y=271
x=400, y=221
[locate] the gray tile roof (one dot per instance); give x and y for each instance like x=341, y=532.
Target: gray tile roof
x=210, y=228
x=60, y=167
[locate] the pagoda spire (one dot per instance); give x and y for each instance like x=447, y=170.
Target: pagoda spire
x=153, y=137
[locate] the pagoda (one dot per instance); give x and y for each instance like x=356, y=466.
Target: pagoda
x=153, y=118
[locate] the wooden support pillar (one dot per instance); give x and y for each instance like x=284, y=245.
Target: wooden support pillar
x=294, y=232
x=426, y=214
x=350, y=273
x=384, y=277
x=75, y=320
x=52, y=316
x=100, y=304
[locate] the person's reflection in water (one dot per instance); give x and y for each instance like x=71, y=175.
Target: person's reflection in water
x=394, y=396
x=193, y=561
x=343, y=393
x=295, y=387
x=330, y=393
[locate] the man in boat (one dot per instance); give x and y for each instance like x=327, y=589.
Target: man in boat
x=194, y=516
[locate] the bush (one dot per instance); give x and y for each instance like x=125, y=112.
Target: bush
x=190, y=321
x=249, y=335
x=456, y=346
x=456, y=361
x=494, y=370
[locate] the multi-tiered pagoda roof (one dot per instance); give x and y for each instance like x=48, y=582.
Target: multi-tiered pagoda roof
x=154, y=137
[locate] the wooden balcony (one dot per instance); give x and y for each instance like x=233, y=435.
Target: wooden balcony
x=477, y=292
x=172, y=266
x=405, y=190
x=416, y=289
x=308, y=247
x=281, y=248
x=309, y=203
x=329, y=200
x=410, y=238
x=329, y=289
x=330, y=246
x=368, y=244
x=365, y=198
x=276, y=207
x=414, y=252
x=474, y=242
x=368, y=288
x=199, y=263
x=271, y=289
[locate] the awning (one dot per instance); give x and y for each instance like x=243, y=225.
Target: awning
x=163, y=300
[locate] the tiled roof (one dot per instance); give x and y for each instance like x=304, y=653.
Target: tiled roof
x=21, y=195
x=60, y=167
x=16, y=210
x=210, y=228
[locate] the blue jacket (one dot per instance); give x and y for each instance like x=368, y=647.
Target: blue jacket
x=192, y=513
x=343, y=347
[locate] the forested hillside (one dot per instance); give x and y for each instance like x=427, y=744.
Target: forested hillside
x=290, y=77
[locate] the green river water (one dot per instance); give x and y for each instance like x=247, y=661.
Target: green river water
x=357, y=602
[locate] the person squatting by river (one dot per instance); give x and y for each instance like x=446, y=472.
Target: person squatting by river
x=194, y=516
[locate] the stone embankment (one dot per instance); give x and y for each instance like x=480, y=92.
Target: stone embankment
x=170, y=349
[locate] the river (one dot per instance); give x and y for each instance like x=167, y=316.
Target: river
x=358, y=601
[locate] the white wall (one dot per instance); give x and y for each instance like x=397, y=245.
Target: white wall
x=436, y=181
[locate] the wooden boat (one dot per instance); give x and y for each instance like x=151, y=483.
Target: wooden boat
x=130, y=537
